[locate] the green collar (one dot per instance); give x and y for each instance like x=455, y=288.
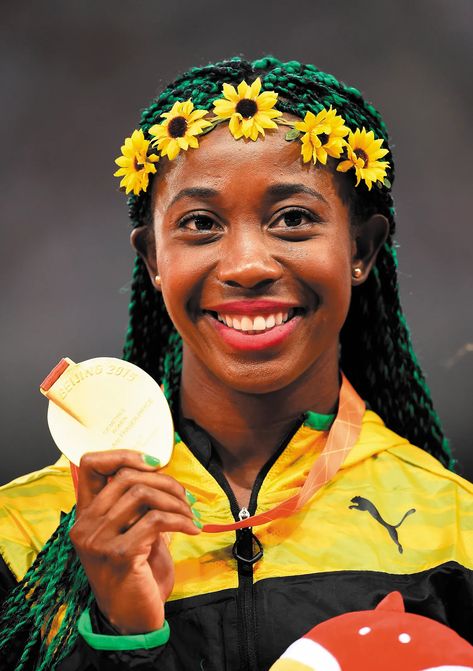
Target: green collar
x=317, y=421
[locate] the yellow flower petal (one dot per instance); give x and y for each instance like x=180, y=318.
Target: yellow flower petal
x=243, y=90
x=344, y=166
x=197, y=114
x=322, y=155
x=246, y=126
x=267, y=100
x=253, y=134
x=135, y=164
x=255, y=88
x=264, y=121
x=224, y=108
x=172, y=150
x=235, y=127
x=230, y=93
x=249, y=127
x=123, y=161
x=307, y=152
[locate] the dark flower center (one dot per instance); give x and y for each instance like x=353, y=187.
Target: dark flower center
x=137, y=165
x=323, y=137
x=247, y=108
x=359, y=153
x=177, y=127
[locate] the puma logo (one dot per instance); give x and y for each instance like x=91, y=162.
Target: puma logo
x=360, y=503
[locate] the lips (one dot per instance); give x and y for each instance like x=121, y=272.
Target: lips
x=255, y=323
x=252, y=333
x=250, y=308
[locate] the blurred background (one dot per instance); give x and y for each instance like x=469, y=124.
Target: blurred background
x=74, y=76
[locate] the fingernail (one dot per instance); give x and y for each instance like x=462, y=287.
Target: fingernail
x=190, y=497
x=198, y=524
x=196, y=513
x=151, y=461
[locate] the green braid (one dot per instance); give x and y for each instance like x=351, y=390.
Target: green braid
x=55, y=578
x=376, y=349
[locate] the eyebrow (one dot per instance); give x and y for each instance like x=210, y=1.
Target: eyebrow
x=281, y=191
x=275, y=192
x=195, y=192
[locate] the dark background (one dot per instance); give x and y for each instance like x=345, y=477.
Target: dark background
x=74, y=75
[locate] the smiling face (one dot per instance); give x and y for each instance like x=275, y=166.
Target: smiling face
x=255, y=254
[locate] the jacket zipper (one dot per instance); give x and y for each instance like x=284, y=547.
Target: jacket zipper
x=244, y=542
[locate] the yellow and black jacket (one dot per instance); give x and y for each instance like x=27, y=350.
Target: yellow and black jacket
x=392, y=518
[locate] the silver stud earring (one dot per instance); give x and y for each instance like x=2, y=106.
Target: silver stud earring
x=357, y=273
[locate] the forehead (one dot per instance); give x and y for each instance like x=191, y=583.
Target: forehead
x=236, y=168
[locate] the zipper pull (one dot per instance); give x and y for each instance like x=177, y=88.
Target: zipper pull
x=244, y=514
x=243, y=549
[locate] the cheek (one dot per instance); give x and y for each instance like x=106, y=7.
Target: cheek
x=183, y=273
x=327, y=270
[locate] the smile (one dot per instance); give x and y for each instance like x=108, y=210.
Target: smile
x=255, y=324
x=255, y=332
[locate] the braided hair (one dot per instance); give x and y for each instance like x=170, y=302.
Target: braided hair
x=376, y=350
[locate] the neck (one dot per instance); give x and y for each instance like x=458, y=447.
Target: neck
x=247, y=428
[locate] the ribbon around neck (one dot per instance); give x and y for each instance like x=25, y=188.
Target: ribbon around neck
x=342, y=436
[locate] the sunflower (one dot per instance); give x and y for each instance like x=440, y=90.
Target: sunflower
x=363, y=152
x=135, y=164
x=249, y=111
x=179, y=129
x=323, y=135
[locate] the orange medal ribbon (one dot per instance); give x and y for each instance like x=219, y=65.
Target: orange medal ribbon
x=341, y=438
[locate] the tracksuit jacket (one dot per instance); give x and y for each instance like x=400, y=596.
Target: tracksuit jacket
x=392, y=518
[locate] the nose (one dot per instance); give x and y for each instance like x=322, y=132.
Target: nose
x=247, y=261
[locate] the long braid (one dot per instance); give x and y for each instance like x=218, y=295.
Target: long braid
x=380, y=359
x=54, y=584
x=376, y=349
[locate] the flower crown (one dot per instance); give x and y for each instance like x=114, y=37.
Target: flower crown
x=250, y=113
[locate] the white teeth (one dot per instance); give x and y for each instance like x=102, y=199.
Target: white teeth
x=259, y=324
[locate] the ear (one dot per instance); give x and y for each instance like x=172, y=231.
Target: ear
x=143, y=242
x=369, y=237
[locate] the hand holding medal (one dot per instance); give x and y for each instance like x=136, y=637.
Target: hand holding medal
x=117, y=414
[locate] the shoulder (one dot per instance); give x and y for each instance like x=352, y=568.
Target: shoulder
x=392, y=479
x=30, y=510
x=379, y=443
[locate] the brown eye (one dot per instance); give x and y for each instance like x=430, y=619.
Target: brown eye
x=203, y=223
x=293, y=218
x=198, y=222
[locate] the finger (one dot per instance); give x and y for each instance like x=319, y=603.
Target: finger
x=127, y=478
x=137, y=501
x=96, y=467
x=139, y=539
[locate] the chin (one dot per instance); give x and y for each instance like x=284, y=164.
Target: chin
x=259, y=379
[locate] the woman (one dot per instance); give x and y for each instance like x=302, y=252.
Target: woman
x=263, y=224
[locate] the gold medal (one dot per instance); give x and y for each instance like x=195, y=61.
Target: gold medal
x=105, y=404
